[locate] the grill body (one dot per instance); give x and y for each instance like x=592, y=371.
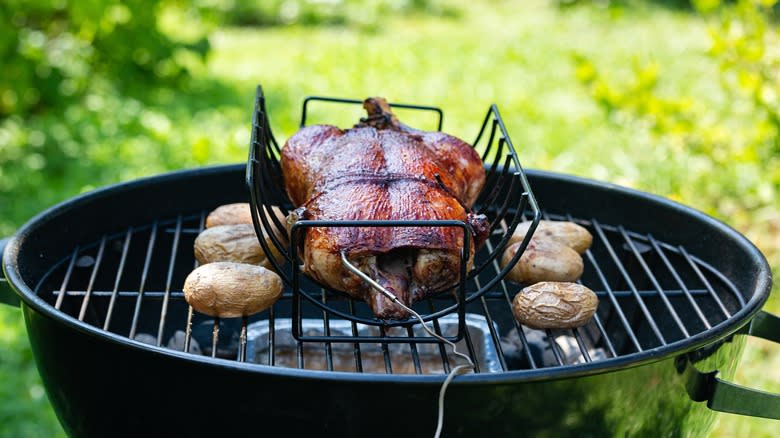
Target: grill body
x=99, y=388
x=104, y=384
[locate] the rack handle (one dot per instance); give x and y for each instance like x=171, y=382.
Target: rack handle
x=7, y=294
x=724, y=396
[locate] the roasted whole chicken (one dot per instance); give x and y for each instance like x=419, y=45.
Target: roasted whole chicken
x=383, y=170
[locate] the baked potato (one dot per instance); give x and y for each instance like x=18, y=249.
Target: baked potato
x=233, y=243
x=543, y=260
x=228, y=289
x=566, y=233
x=554, y=305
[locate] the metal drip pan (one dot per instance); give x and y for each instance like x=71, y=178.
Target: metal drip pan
x=384, y=358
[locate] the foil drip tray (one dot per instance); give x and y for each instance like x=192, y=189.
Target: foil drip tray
x=372, y=356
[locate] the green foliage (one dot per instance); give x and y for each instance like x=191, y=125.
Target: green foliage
x=24, y=409
x=361, y=13
x=109, y=138
x=722, y=152
x=675, y=4
x=53, y=50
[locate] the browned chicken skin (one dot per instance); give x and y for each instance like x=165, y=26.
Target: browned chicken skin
x=383, y=170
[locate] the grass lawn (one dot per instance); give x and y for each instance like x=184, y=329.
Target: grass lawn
x=519, y=55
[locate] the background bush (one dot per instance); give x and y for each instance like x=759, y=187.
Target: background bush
x=367, y=14
x=722, y=152
x=53, y=50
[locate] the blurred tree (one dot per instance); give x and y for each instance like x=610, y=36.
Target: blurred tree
x=53, y=49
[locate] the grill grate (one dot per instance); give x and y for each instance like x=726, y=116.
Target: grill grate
x=651, y=294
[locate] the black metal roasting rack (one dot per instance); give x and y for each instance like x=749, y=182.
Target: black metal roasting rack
x=505, y=181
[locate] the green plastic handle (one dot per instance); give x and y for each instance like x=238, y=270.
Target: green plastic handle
x=7, y=294
x=723, y=396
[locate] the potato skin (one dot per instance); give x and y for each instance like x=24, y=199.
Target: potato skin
x=554, y=305
x=228, y=290
x=229, y=214
x=543, y=260
x=232, y=243
x=238, y=213
x=567, y=233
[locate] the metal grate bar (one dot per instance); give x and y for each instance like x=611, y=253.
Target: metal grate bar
x=493, y=333
x=257, y=177
x=492, y=329
x=604, y=335
x=242, y=341
x=92, y=277
x=275, y=223
x=188, y=326
x=613, y=299
x=679, y=281
x=414, y=353
x=215, y=337
x=177, y=295
x=326, y=328
x=523, y=339
x=267, y=218
x=356, y=345
x=520, y=332
x=66, y=279
x=188, y=331
x=272, y=335
x=554, y=347
x=583, y=348
x=493, y=128
x=493, y=294
x=118, y=277
x=185, y=230
x=339, y=100
x=506, y=233
x=144, y=275
x=514, y=186
x=299, y=346
x=437, y=329
x=168, y=280
x=497, y=186
x=630, y=284
x=517, y=326
x=707, y=284
x=271, y=139
x=581, y=344
x=470, y=347
x=386, y=352
x=654, y=281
